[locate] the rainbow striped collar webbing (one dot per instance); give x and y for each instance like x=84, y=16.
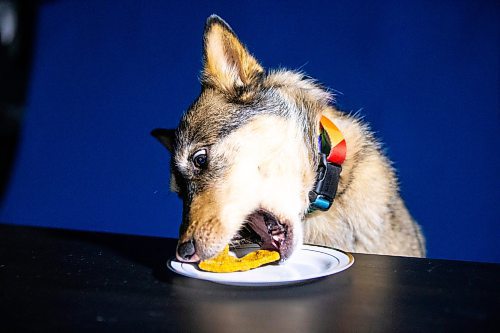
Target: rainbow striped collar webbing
x=332, y=142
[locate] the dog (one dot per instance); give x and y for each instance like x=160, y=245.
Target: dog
x=248, y=164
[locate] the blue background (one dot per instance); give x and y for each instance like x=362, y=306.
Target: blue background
x=425, y=74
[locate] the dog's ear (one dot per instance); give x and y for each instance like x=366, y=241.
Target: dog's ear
x=165, y=136
x=227, y=63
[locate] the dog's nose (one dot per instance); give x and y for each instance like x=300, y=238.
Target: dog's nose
x=187, y=252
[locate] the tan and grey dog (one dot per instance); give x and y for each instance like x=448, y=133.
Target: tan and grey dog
x=245, y=157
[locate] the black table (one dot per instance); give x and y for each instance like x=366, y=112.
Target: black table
x=66, y=281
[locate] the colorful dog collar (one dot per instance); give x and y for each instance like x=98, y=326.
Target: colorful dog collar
x=332, y=139
x=332, y=152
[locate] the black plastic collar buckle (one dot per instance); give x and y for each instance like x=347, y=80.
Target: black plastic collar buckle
x=327, y=181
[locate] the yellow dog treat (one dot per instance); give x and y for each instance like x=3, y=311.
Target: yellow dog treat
x=225, y=263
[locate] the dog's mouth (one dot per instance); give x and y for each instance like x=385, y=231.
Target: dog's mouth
x=265, y=229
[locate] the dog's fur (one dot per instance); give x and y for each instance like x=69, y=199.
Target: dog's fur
x=260, y=133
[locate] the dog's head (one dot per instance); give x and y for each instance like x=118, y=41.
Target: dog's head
x=243, y=155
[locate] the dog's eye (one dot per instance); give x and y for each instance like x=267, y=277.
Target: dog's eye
x=200, y=159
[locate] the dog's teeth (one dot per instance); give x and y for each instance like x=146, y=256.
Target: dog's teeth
x=276, y=238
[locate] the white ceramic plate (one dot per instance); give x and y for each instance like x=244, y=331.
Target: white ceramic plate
x=307, y=263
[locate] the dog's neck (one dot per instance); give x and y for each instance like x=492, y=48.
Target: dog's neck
x=332, y=150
